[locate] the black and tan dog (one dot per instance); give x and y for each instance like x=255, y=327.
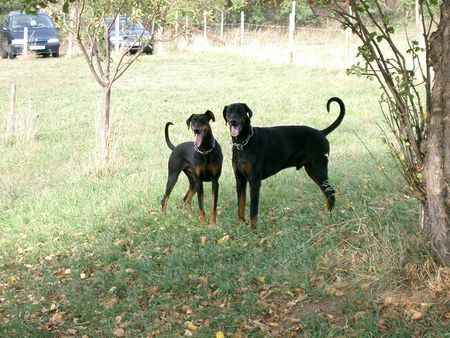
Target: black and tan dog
x=200, y=160
x=262, y=152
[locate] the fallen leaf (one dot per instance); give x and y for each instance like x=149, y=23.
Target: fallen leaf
x=415, y=315
x=447, y=315
x=390, y=314
x=261, y=279
x=365, y=286
x=223, y=239
x=293, y=320
x=191, y=326
x=330, y=290
x=188, y=333
x=339, y=293
x=111, y=302
x=359, y=315
x=82, y=275
x=186, y=309
x=260, y=325
x=203, y=240
x=56, y=318
x=219, y=334
x=382, y=326
x=120, y=242
x=119, y=332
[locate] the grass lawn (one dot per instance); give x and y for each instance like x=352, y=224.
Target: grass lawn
x=82, y=255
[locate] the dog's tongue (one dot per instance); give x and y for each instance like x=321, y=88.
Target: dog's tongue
x=234, y=131
x=198, y=140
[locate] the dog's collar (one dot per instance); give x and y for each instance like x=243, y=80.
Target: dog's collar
x=207, y=151
x=240, y=146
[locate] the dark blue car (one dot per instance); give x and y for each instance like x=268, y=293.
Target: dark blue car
x=42, y=35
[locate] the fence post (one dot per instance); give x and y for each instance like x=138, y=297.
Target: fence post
x=291, y=33
x=204, y=24
x=221, y=26
x=159, y=37
x=25, y=42
x=417, y=13
x=422, y=55
x=242, y=29
x=69, y=52
x=187, y=31
x=11, y=120
x=176, y=26
x=117, y=30
x=348, y=35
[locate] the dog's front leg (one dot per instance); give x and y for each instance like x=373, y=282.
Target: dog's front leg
x=214, y=198
x=255, y=187
x=241, y=189
x=201, y=211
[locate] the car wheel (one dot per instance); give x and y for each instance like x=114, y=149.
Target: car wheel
x=148, y=50
x=45, y=55
x=11, y=56
x=55, y=55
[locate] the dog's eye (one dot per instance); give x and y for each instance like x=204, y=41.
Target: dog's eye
x=196, y=131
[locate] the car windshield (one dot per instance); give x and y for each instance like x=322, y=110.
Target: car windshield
x=125, y=24
x=30, y=21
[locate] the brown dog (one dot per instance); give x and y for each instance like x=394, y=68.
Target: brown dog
x=200, y=160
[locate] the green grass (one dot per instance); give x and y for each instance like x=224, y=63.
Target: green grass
x=77, y=250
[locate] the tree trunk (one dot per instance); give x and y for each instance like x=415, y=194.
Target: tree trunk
x=103, y=130
x=437, y=160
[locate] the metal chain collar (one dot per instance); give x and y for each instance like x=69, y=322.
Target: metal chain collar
x=240, y=146
x=207, y=151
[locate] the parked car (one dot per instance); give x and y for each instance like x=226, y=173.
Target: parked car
x=42, y=34
x=129, y=33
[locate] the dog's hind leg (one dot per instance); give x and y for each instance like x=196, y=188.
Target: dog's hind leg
x=241, y=188
x=187, y=200
x=171, y=181
x=201, y=211
x=214, y=198
x=319, y=174
x=255, y=187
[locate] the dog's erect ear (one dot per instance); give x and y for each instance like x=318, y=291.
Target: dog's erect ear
x=225, y=114
x=210, y=115
x=188, y=121
x=249, y=111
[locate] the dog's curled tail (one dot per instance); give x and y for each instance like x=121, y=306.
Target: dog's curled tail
x=166, y=133
x=338, y=121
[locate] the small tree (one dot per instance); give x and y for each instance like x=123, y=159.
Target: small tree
x=416, y=110
x=94, y=20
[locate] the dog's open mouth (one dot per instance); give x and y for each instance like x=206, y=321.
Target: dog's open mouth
x=234, y=131
x=198, y=139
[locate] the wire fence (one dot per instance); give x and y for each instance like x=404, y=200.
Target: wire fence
x=330, y=48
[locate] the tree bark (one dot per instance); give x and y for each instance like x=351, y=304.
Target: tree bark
x=437, y=159
x=103, y=129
